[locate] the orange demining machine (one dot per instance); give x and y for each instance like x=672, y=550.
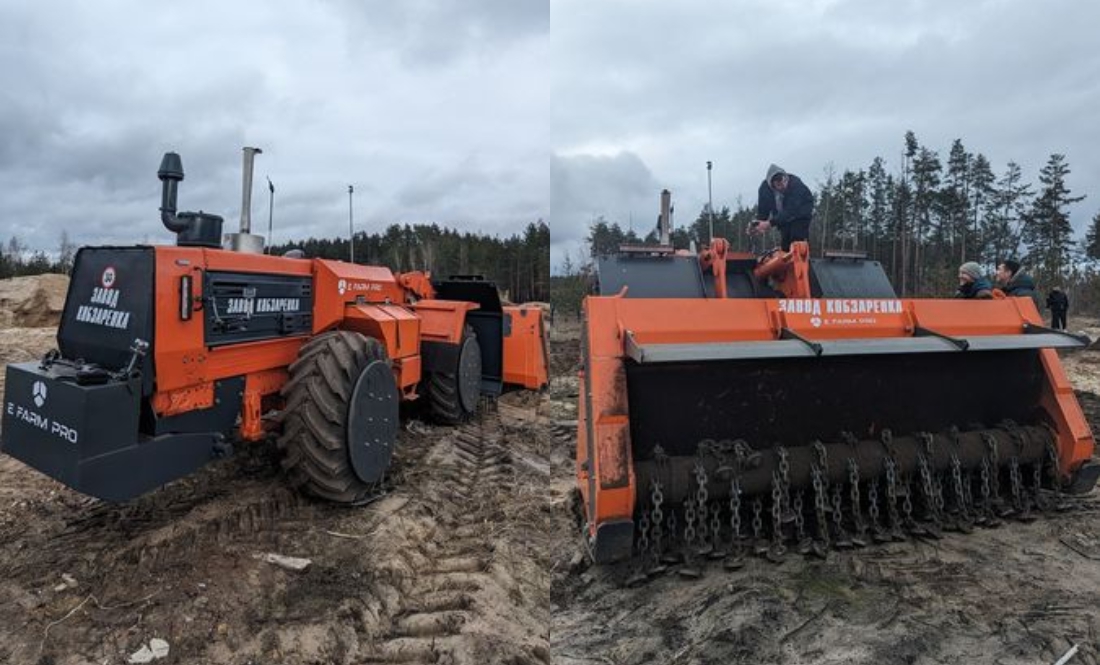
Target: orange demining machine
x=168, y=354
x=732, y=404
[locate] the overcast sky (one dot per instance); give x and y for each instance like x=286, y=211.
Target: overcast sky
x=646, y=91
x=435, y=110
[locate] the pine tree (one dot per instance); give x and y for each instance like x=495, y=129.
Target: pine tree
x=1047, y=230
x=1092, y=239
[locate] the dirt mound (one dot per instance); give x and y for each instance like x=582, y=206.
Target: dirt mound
x=32, y=302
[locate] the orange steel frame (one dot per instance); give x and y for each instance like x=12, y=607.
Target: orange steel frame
x=366, y=299
x=525, y=349
x=604, y=464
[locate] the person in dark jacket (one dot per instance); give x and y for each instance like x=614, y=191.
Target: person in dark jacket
x=972, y=283
x=1013, y=281
x=786, y=203
x=1058, y=304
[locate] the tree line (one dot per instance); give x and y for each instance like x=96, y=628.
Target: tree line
x=921, y=220
x=519, y=263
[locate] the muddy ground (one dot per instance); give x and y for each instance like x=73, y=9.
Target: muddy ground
x=1021, y=593
x=452, y=566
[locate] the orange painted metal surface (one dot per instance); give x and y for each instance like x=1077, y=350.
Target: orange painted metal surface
x=256, y=386
x=442, y=320
x=175, y=402
x=790, y=271
x=367, y=299
x=525, y=349
x=398, y=329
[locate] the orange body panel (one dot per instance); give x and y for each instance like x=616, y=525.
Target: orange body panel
x=398, y=329
x=367, y=299
x=442, y=320
x=525, y=355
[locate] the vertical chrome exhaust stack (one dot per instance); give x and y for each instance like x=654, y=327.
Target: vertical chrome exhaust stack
x=245, y=241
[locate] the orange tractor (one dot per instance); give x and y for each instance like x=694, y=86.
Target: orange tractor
x=730, y=403
x=167, y=354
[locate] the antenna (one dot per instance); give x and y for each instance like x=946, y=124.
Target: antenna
x=710, y=202
x=270, y=214
x=351, y=225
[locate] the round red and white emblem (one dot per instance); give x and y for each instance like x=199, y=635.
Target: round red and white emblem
x=108, y=278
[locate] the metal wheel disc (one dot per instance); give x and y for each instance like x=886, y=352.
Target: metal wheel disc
x=373, y=421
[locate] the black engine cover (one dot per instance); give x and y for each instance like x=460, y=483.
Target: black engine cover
x=109, y=305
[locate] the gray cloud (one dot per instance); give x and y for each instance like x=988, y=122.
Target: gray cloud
x=404, y=100
x=617, y=187
x=806, y=84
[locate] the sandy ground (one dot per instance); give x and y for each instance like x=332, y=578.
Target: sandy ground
x=452, y=566
x=1021, y=593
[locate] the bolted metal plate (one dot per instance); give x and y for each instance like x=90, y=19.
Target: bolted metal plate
x=469, y=374
x=372, y=421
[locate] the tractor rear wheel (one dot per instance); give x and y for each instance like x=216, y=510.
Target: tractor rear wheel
x=341, y=417
x=454, y=394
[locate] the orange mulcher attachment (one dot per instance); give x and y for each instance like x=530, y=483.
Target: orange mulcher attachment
x=729, y=404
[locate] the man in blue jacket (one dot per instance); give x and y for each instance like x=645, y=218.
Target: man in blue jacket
x=786, y=203
x=1013, y=281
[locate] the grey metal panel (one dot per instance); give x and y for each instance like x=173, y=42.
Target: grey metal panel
x=670, y=353
x=1035, y=341
x=849, y=278
x=651, y=276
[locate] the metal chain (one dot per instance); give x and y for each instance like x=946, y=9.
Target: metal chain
x=657, y=498
x=857, y=511
x=777, y=549
x=799, y=519
x=689, y=520
x=892, y=497
x=735, y=511
x=842, y=539
x=1016, y=484
x=957, y=484
x=701, y=501
x=872, y=510
x=819, y=504
x=994, y=465
x=927, y=487
x=643, y=533
x=784, y=477
x=1037, y=485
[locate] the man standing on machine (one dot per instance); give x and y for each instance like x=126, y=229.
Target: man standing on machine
x=786, y=203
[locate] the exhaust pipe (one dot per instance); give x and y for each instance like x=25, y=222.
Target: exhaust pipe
x=246, y=194
x=171, y=174
x=245, y=241
x=666, y=218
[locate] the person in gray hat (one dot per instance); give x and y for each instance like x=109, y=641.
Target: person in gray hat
x=786, y=203
x=973, y=283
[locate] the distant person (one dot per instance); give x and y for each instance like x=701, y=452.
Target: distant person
x=972, y=283
x=1058, y=304
x=786, y=203
x=1014, y=282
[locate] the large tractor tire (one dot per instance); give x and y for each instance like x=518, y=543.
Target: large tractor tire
x=341, y=418
x=454, y=393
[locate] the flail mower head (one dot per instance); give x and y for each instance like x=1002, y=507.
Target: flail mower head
x=729, y=403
